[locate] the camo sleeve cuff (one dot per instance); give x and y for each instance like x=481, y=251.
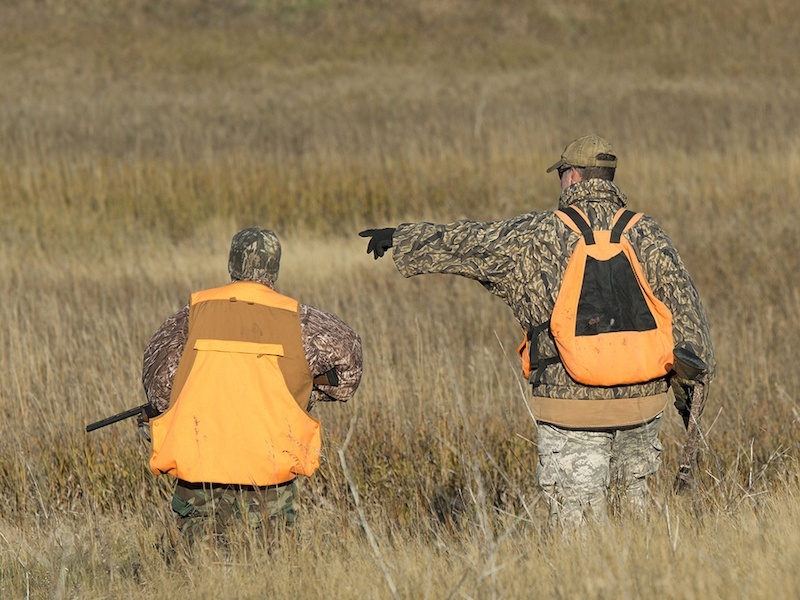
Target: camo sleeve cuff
x=329, y=343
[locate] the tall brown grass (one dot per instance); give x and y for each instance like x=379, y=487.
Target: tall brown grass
x=139, y=136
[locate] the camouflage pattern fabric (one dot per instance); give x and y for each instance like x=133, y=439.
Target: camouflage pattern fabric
x=327, y=341
x=576, y=469
x=255, y=255
x=161, y=358
x=204, y=511
x=522, y=261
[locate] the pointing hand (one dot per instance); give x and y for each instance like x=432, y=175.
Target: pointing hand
x=380, y=240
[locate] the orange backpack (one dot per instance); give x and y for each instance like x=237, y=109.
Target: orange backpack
x=608, y=326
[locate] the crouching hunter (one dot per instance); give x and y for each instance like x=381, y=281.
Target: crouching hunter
x=232, y=377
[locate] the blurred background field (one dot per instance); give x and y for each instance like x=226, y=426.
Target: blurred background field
x=136, y=137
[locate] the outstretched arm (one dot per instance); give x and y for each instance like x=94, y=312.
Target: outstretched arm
x=485, y=252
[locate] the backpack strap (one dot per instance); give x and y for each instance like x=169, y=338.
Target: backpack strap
x=580, y=223
x=537, y=363
x=536, y=378
x=621, y=221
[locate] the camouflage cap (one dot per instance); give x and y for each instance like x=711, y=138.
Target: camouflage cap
x=255, y=256
x=586, y=151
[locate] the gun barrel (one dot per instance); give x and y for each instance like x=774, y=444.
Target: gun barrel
x=131, y=412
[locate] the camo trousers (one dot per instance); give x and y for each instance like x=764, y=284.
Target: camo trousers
x=577, y=467
x=213, y=509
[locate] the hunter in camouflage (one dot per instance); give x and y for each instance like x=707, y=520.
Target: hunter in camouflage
x=329, y=345
x=522, y=260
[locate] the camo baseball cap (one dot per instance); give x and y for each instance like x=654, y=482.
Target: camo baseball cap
x=255, y=256
x=586, y=151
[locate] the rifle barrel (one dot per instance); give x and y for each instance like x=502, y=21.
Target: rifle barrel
x=131, y=412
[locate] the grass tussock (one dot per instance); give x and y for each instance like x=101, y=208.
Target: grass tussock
x=139, y=136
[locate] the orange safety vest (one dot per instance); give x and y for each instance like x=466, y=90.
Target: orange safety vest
x=237, y=409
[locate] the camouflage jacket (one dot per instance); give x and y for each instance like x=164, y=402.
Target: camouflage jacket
x=327, y=341
x=522, y=260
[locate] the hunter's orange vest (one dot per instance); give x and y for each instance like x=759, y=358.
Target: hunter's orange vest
x=237, y=410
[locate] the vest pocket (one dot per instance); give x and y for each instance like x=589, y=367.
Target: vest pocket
x=235, y=346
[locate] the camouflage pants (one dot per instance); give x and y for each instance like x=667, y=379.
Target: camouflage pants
x=213, y=509
x=577, y=467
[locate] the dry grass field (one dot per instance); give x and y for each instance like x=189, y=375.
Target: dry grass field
x=137, y=136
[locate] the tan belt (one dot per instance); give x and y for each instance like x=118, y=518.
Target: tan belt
x=597, y=414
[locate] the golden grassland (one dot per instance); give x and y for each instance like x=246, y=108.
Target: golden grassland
x=138, y=136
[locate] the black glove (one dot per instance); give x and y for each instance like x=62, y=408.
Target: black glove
x=380, y=240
